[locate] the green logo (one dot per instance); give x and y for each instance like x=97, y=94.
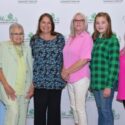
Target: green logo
x=67, y=114
x=56, y=19
x=8, y=18
x=30, y=113
x=90, y=97
x=119, y=39
x=64, y=114
x=91, y=18
x=116, y=115
x=28, y=36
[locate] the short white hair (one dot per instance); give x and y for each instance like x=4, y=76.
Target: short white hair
x=15, y=25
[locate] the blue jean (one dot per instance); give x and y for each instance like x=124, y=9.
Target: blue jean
x=104, y=106
x=2, y=113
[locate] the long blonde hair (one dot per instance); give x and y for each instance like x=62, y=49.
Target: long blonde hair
x=72, y=30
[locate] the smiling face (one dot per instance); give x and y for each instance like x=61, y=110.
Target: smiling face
x=45, y=25
x=17, y=35
x=101, y=25
x=79, y=24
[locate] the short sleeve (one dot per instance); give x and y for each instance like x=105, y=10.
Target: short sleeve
x=86, y=47
x=61, y=41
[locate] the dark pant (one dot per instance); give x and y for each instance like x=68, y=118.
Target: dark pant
x=47, y=107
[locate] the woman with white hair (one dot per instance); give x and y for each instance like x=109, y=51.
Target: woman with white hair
x=77, y=54
x=15, y=76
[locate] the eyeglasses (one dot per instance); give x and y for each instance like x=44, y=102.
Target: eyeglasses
x=81, y=20
x=17, y=34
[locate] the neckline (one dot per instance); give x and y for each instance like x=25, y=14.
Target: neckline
x=49, y=40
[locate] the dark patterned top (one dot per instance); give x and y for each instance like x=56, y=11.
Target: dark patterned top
x=48, y=62
x=104, y=63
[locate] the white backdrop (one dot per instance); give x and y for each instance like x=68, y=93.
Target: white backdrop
x=27, y=13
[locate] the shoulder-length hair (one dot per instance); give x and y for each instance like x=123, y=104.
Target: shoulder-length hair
x=72, y=30
x=109, y=29
x=38, y=32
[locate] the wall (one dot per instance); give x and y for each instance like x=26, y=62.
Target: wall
x=27, y=13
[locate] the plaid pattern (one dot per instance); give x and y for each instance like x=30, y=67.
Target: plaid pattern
x=104, y=63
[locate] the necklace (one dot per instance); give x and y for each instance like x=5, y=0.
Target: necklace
x=19, y=50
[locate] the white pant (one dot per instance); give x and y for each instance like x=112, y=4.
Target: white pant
x=15, y=110
x=77, y=95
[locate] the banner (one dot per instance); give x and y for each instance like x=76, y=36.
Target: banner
x=27, y=12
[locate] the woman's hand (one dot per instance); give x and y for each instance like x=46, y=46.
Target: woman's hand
x=65, y=74
x=106, y=92
x=30, y=92
x=10, y=92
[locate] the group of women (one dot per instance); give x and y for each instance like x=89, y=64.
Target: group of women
x=82, y=62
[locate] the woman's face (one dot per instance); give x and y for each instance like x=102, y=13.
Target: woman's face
x=101, y=25
x=45, y=25
x=79, y=24
x=17, y=35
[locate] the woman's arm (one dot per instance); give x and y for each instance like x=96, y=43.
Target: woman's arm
x=8, y=89
x=73, y=68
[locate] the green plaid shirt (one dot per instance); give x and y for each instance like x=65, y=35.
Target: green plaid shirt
x=104, y=64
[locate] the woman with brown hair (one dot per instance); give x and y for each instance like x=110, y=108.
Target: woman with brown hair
x=104, y=67
x=47, y=46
